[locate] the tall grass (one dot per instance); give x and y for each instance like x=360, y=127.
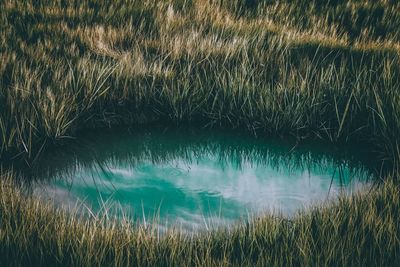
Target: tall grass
x=361, y=230
x=262, y=66
x=312, y=69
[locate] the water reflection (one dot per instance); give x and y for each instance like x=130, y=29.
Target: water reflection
x=194, y=178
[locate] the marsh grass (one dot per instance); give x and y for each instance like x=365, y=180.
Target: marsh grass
x=359, y=230
x=66, y=66
x=312, y=69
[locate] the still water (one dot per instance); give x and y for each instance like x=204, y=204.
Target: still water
x=194, y=179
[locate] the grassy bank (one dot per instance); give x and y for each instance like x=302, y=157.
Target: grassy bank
x=357, y=231
x=309, y=69
x=312, y=69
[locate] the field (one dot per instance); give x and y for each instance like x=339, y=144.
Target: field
x=310, y=69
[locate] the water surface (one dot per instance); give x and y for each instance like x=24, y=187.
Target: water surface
x=196, y=179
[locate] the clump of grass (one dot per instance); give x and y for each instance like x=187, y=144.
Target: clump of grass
x=361, y=230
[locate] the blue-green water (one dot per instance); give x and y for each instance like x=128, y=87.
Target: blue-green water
x=194, y=179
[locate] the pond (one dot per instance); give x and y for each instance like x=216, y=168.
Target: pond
x=193, y=179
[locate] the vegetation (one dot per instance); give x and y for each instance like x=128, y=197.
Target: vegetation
x=66, y=64
x=361, y=230
x=312, y=69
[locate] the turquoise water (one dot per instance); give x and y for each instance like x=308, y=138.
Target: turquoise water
x=196, y=179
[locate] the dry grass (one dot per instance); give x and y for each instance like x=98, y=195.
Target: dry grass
x=274, y=68
x=362, y=230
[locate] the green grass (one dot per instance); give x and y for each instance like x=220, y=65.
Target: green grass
x=312, y=69
x=138, y=62
x=361, y=230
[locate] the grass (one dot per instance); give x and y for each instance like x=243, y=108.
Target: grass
x=138, y=62
x=312, y=69
x=361, y=230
